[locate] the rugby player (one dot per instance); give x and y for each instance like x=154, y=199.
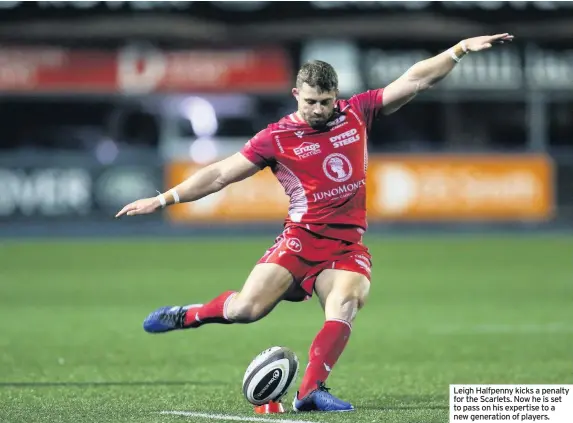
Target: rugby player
x=319, y=155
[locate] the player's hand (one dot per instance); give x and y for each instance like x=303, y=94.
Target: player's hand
x=143, y=206
x=487, y=41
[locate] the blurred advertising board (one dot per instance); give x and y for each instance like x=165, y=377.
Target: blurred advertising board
x=72, y=189
x=462, y=187
x=401, y=188
x=142, y=69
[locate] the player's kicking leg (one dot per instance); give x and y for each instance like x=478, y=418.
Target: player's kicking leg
x=342, y=293
x=267, y=284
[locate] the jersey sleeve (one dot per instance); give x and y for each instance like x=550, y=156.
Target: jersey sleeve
x=368, y=104
x=259, y=149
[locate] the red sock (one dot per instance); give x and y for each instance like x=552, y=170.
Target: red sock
x=212, y=312
x=324, y=353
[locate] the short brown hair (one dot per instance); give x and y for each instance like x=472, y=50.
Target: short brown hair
x=319, y=75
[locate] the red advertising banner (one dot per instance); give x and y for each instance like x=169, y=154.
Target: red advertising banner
x=143, y=70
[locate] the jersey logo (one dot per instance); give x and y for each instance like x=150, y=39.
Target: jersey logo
x=337, y=167
x=299, y=133
x=345, y=138
x=307, y=149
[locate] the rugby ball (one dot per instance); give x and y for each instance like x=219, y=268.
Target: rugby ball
x=270, y=375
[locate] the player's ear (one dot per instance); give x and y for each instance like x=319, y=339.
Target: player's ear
x=295, y=92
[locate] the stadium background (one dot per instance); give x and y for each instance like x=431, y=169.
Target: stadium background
x=106, y=102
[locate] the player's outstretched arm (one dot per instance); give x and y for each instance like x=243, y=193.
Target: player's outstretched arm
x=206, y=181
x=426, y=73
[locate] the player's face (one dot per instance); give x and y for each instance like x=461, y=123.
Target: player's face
x=315, y=107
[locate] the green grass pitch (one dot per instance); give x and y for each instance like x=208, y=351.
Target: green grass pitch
x=442, y=310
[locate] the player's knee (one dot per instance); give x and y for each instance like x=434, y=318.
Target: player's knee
x=350, y=301
x=242, y=311
x=361, y=292
x=361, y=298
x=344, y=304
x=356, y=295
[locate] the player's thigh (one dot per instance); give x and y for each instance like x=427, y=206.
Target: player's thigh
x=265, y=286
x=341, y=293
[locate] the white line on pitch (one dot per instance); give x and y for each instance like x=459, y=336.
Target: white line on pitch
x=230, y=417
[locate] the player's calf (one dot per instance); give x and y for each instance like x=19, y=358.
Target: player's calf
x=215, y=311
x=324, y=352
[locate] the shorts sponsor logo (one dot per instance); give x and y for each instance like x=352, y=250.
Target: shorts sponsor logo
x=346, y=138
x=307, y=149
x=337, y=167
x=294, y=244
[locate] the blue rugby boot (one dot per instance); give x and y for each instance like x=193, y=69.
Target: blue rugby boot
x=166, y=319
x=320, y=400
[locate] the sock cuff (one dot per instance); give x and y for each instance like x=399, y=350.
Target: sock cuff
x=227, y=301
x=340, y=321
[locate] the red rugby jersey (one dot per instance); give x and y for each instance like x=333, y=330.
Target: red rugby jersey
x=322, y=171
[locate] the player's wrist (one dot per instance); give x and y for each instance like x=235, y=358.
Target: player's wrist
x=159, y=202
x=167, y=198
x=459, y=51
